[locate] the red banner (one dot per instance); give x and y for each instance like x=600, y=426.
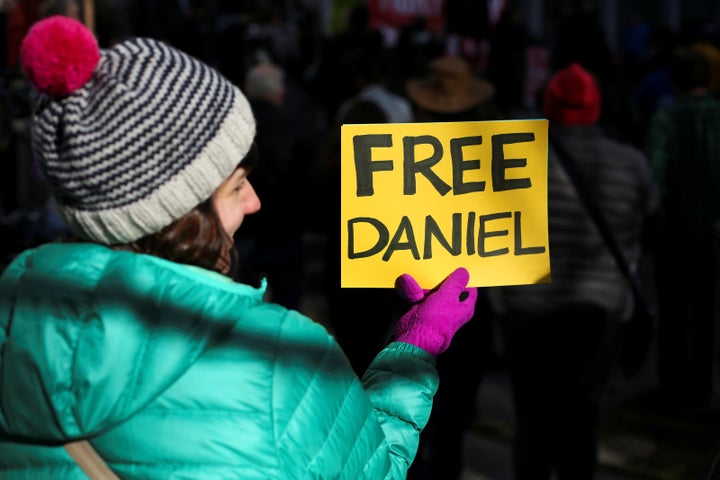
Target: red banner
x=398, y=13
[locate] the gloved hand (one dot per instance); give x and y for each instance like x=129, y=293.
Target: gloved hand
x=436, y=314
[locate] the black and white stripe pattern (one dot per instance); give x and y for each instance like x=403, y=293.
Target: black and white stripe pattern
x=151, y=135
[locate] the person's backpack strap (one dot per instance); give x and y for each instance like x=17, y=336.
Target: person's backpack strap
x=90, y=461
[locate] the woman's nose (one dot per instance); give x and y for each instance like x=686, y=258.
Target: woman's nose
x=252, y=203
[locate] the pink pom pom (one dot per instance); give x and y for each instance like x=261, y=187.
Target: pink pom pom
x=59, y=54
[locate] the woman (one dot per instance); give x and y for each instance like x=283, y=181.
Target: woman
x=137, y=339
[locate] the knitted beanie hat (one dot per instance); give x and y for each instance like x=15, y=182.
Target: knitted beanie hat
x=572, y=97
x=130, y=138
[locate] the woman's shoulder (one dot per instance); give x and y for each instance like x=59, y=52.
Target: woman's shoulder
x=94, y=262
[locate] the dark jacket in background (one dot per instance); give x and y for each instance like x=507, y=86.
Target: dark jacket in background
x=583, y=269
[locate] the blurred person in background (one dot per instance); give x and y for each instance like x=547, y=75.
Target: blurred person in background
x=581, y=38
x=368, y=324
x=683, y=147
x=271, y=242
x=451, y=91
x=561, y=337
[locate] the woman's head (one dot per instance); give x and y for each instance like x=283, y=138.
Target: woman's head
x=204, y=236
x=132, y=139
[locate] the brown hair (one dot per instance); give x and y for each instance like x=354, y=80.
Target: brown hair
x=198, y=239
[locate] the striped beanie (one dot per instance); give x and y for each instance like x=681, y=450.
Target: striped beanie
x=133, y=137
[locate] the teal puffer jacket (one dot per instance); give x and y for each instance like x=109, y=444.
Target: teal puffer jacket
x=173, y=372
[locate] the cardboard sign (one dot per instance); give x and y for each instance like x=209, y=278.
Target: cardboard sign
x=426, y=198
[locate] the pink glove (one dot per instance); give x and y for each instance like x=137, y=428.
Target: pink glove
x=436, y=314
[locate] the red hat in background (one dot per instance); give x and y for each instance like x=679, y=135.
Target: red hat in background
x=572, y=97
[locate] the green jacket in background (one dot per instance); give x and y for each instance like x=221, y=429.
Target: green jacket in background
x=172, y=371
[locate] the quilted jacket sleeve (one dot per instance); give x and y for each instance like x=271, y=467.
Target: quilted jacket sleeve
x=330, y=425
x=401, y=383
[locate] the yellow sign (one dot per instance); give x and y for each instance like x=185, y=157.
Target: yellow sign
x=426, y=198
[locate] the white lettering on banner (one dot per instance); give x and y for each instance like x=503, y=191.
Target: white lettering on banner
x=411, y=7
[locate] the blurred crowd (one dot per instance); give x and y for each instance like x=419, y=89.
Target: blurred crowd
x=651, y=135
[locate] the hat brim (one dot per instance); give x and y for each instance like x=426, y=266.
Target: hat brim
x=421, y=93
